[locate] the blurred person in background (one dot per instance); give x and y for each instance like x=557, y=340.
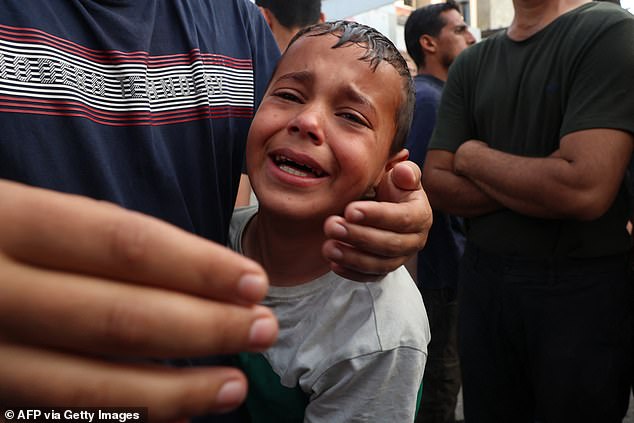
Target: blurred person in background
x=286, y=18
x=434, y=36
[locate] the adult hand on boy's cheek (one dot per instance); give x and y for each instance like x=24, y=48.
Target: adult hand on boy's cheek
x=89, y=291
x=375, y=237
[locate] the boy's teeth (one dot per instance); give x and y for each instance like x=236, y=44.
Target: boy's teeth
x=283, y=163
x=293, y=171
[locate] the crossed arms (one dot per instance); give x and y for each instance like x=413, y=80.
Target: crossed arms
x=578, y=181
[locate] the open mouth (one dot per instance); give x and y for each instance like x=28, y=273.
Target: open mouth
x=298, y=169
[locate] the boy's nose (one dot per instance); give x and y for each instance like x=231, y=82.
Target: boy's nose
x=308, y=124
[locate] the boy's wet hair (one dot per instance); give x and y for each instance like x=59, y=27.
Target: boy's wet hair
x=377, y=49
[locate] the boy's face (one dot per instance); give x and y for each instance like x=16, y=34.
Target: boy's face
x=322, y=135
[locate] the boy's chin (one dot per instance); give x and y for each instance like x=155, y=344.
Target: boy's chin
x=300, y=210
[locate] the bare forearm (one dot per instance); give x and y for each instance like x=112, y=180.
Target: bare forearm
x=579, y=181
x=456, y=194
x=522, y=184
x=452, y=193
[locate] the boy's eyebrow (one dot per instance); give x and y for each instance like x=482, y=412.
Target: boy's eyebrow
x=357, y=97
x=300, y=76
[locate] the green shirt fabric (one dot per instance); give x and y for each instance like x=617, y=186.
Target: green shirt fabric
x=522, y=97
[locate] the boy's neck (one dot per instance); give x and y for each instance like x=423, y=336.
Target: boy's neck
x=289, y=250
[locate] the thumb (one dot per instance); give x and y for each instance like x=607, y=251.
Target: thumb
x=398, y=182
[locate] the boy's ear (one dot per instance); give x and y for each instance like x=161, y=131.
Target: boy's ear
x=401, y=156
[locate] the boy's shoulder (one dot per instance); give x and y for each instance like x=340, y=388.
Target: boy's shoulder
x=354, y=318
x=399, y=311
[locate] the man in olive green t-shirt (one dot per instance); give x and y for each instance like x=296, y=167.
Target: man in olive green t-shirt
x=535, y=130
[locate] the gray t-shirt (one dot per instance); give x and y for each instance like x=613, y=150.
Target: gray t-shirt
x=356, y=351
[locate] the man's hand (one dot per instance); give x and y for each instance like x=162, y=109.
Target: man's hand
x=89, y=292
x=375, y=237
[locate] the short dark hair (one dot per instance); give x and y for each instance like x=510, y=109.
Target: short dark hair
x=294, y=13
x=425, y=21
x=378, y=48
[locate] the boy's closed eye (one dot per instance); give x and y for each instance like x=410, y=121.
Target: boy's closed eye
x=288, y=95
x=352, y=117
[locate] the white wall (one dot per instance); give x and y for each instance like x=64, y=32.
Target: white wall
x=342, y=9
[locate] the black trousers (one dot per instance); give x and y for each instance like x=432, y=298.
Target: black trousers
x=544, y=340
x=441, y=381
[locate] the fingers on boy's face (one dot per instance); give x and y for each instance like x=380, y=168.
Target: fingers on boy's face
x=324, y=128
